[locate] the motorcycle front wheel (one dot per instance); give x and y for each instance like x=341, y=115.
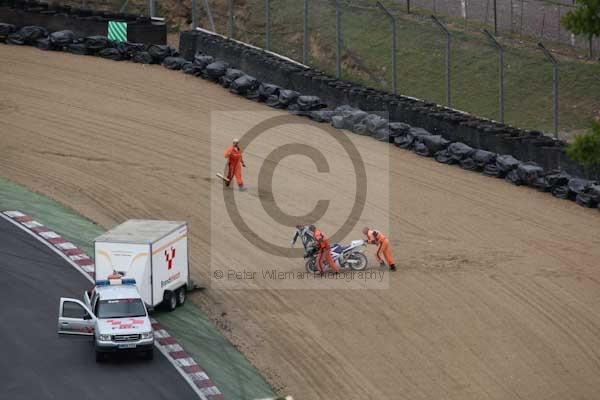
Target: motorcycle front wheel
x=357, y=261
x=311, y=265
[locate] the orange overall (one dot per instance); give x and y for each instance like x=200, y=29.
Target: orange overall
x=235, y=162
x=383, y=246
x=324, y=252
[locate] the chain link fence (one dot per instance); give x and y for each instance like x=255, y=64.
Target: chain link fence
x=129, y=6
x=531, y=20
x=464, y=69
x=539, y=19
x=503, y=76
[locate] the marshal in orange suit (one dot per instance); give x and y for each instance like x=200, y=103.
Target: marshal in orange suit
x=235, y=162
x=383, y=247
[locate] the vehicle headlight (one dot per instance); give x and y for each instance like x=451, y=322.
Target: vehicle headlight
x=147, y=335
x=104, y=337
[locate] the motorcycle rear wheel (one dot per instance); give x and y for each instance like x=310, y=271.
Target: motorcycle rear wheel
x=360, y=263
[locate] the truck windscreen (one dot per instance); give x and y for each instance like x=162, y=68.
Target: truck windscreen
x=121, y=308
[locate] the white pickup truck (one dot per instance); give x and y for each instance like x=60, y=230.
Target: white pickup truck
x=114, y=313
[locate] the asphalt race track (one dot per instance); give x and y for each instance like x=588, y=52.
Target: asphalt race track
x=36, y=362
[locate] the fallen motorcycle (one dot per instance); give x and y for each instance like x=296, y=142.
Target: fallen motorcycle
x=351, y=256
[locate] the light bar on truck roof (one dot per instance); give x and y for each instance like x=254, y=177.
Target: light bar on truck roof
x=114, y=282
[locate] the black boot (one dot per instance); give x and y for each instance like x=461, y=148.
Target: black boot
x=393, y=267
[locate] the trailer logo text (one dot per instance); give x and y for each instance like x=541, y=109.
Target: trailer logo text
x=171, y=279
x=169, y=257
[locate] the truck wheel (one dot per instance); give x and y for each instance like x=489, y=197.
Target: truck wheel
x=170, y=301
x=100, y=356
x=181, y=296
x=149, y=355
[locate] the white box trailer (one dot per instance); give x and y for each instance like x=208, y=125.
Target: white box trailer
x=154, y=253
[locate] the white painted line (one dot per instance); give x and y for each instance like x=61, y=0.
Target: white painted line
x=199, y=376
x=88, y=268
x=48, y=244
x=253, y=47
x=78, y=257
x=186, y=362
x=49, y=235
x=277, y=398
x=66, y=246
x=211, y=390
x=172, y=347
x=185, y=376
x=32, y=224
x=14, y=214
x=161, y=333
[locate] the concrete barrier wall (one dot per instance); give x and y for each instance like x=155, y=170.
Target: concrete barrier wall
x=451, y=124
x=137, y=31
x=53, y=22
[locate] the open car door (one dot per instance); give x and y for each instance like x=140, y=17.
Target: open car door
x=74, y=318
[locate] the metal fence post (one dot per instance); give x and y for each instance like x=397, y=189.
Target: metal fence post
x=210, y=17
x=558, y=25
x=230, y=22
x=543, y=25
x=338, y=40
x=487, y=12
x=151, y=8
x=268, y=28
x=551, y=58
x=194, y=14
x=500, y=72
x=521, y=19
x=511, y=15
x=495, y=18
x=394, y=46
x=305, y=40
x=448, y=39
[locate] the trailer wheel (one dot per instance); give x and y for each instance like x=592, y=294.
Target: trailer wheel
x=181, y=296
x=170, y=300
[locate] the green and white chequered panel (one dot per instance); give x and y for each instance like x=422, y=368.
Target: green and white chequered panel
x=117, y=31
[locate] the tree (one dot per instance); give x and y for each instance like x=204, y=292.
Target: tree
x=585, y=20
x=585, y=149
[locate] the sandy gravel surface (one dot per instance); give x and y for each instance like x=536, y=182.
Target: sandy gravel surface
x=498, y=290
